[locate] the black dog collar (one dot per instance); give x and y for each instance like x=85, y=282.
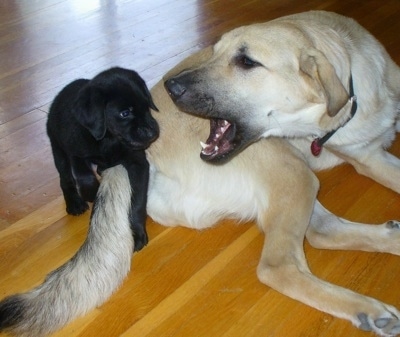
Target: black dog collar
x=318, y=143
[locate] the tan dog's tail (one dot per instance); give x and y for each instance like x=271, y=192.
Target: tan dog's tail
x=90, y=277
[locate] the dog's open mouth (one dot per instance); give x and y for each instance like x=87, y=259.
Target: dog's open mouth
x=221, y=140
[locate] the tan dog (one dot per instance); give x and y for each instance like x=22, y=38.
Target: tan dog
x=269, y=182
x=287, y=77
x=293, y=77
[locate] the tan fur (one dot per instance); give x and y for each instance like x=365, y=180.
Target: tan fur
x=315, y=64
x=301, y=87
x=269, y=181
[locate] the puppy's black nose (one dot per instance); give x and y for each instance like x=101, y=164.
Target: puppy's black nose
x=174, y=88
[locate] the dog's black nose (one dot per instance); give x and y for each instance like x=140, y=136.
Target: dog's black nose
x=174, y=88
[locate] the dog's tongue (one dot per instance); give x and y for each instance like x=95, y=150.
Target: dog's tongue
x=216, y=143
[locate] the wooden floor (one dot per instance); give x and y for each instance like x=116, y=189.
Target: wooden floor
x=184, y=283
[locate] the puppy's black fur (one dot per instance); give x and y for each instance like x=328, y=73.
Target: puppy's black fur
x=105, y=121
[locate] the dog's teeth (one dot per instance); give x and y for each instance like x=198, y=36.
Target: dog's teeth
x=203, y=146
x=216, y=148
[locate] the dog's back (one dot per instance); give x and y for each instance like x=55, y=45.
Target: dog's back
x=65, y=98
x=63, y=127
x=61, y=123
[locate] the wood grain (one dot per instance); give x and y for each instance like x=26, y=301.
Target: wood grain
x=185, y=283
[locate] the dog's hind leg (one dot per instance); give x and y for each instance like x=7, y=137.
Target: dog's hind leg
x=283, y=264
x=86, y=180
x=328, y=231
x=87, y=279
x=377, y=164
x=75, y=205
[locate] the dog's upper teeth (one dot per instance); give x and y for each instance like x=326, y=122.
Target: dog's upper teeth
x=216, y=148
x=203, y=145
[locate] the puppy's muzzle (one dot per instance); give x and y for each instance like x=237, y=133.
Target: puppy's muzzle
x=174, y=88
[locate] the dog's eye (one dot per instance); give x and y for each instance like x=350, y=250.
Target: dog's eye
x=246, y=62
x=126, y=113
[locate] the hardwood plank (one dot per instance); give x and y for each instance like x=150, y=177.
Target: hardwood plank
x=184, y=283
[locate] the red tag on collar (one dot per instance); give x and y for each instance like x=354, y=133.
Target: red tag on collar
x=315, y=147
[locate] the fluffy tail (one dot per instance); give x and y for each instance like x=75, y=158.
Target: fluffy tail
x=90, y=277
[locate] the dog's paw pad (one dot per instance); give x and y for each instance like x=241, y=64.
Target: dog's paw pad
x=396, y=330
x=365, y=325
x=389, y=325
x=393, y=224
x=382, y=322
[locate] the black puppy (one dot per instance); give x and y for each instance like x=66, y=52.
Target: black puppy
x=105, y=121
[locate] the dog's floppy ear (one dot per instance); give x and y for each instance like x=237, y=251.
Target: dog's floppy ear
x=148, y=97
x=89, y=110
x=315, y=64
x=137, y=82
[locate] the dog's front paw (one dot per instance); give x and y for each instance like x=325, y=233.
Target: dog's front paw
x=388, y=324
x=77, y=207
x=140, y=239
x=393, y=224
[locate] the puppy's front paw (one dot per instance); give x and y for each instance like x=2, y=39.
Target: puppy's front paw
x=77, y=207
x=140, y=239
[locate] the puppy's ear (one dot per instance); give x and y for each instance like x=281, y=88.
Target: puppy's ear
x=89, y=111
x=137, y=82
x=148, y=97
x=315, y=64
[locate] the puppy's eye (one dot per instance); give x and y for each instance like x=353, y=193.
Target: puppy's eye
x=246, y=62
x=126, y=113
